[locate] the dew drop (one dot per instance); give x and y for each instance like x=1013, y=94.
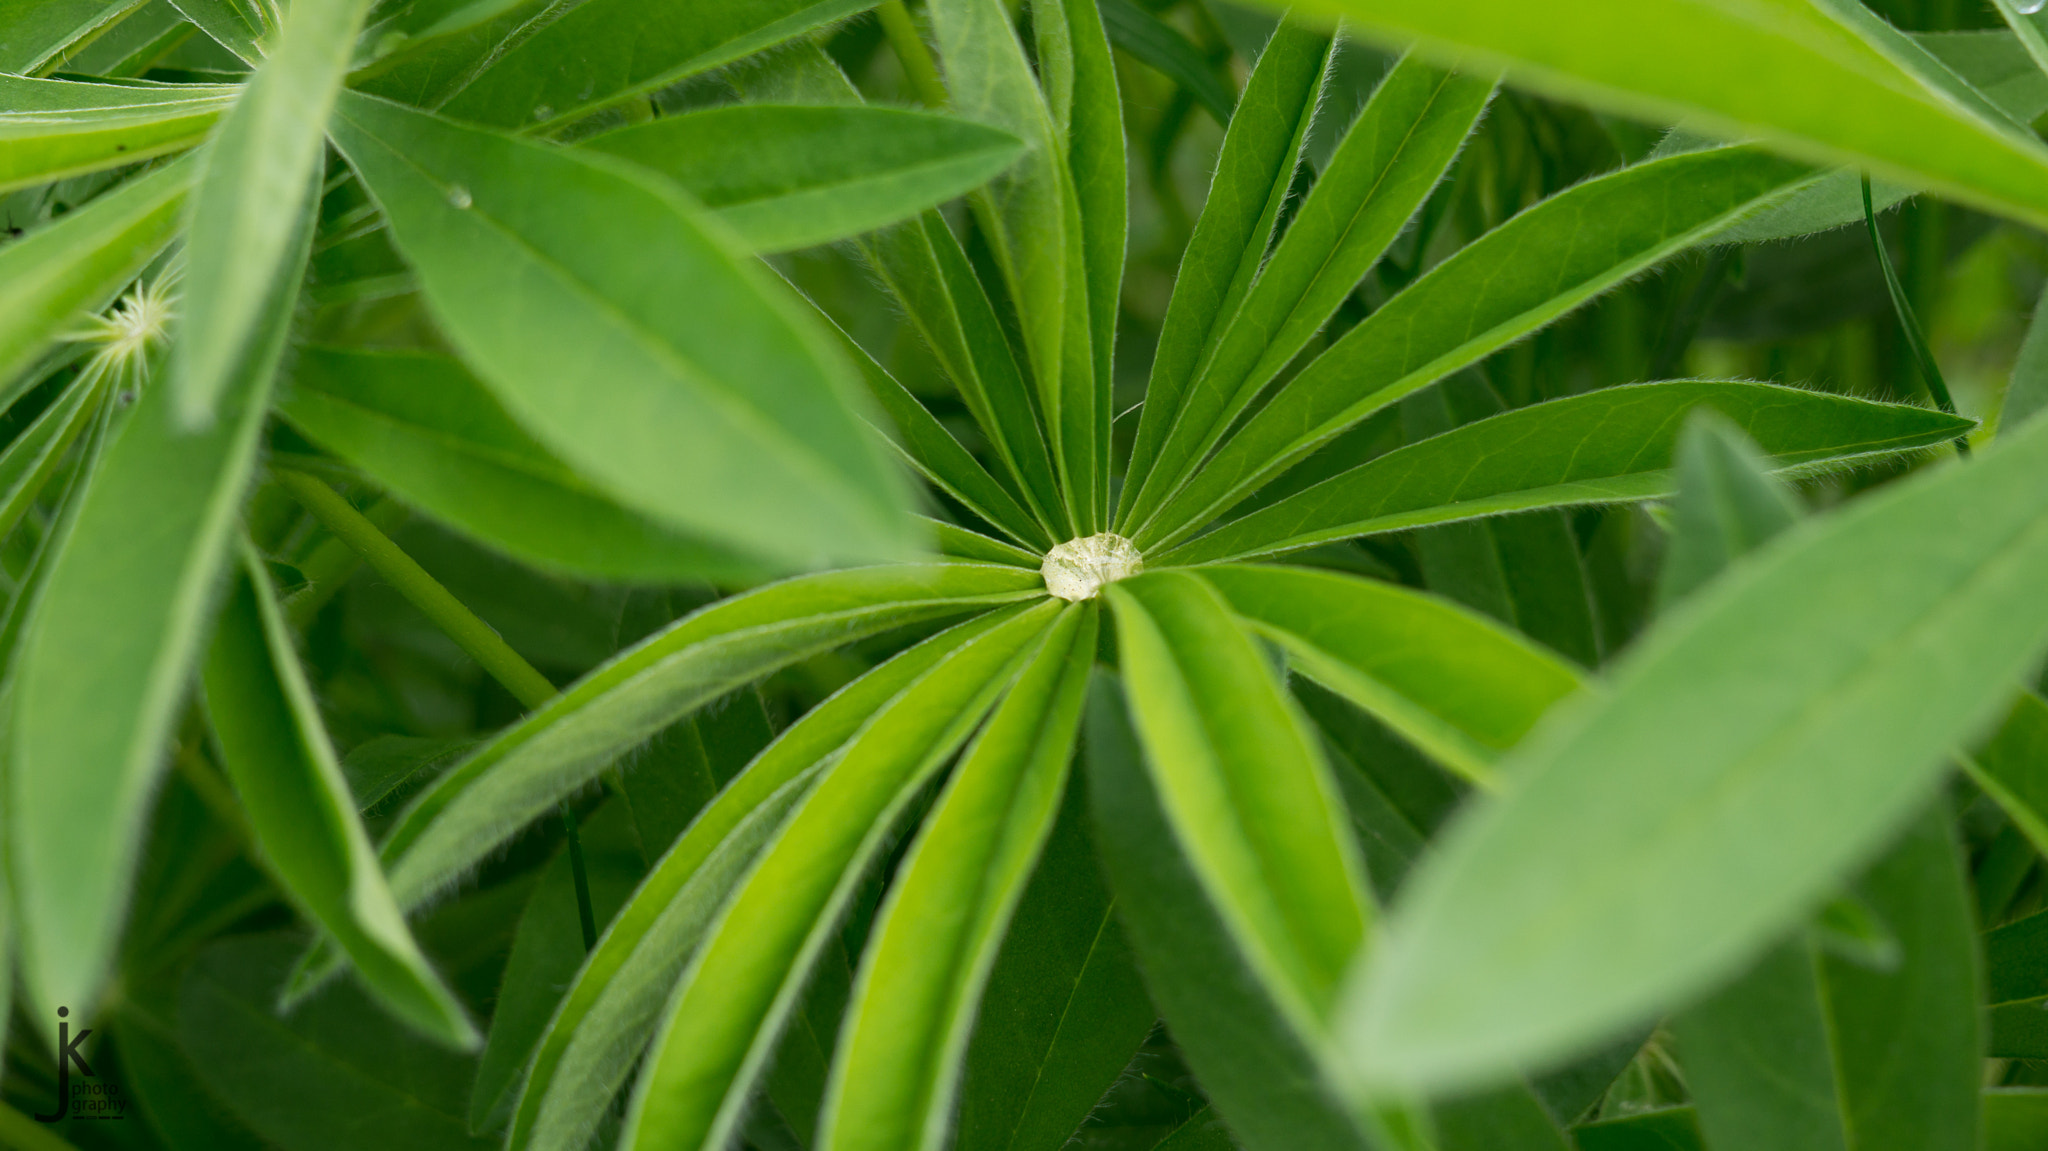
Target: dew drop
x=458, y=196
x=2029, y=7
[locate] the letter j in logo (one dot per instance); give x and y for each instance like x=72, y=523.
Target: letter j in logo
x=67, y=1053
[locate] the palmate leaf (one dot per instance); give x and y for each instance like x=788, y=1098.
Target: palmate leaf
x=1517, y=278
x=1609, y=445
x=787, y=176
x=613, y=1007
x=724, y=1017
x=258, y=182
x=1822, y=91
x=706, y=370
x=51, y=129
x=1547, y=920
x=277, y=755
x=896, y=1072
x=427, y=430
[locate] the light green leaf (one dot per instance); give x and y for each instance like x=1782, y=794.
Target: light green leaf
x=895, y=1076
x=51, y=129
x=1064, y=1009
x=1727, y=504
x=2027, y=391
x=427, y=430
x=722, y=1022
x=1096, y=164
x=243, y=27
x=75, y=266
x=1402, y=142
x=1751, y=750
x=787, y=176
x=1606, y=446
x=32, y=458
x=276, y=753
x=1452, y=683
x=1517, y=278
x=609, y=1013
x=567, y=59
x=259, y=180
x=1253, y=174
x=628, y=336
x=1256, y=1059
x=1815, y=88
x=108, y=655
x=32, y=34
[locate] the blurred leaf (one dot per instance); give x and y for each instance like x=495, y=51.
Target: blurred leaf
x=78, y=264
x=31, y=34
x=786, y=176
x=1162, y=46
x=1064, y=1008
x=51, y=129
x=1515, y=279
x=2012, y=768
x=1669, y=1129
x=425, y=429
x=276, y=753
x=1727, y=504
x=27, y=464
x=1750, y=751
x=2015, y=1118
x=1609, y=445
x=259, y=179
x=631, y=340
x=1813, y=86
x=722, y=1022
x=2027, y=391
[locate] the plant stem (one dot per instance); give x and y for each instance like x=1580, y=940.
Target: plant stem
x=913, y=53
x=1916, y=340
x=472, y=635
x=423, y=591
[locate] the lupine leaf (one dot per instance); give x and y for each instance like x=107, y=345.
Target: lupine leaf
x=706, y=370
x=2012, y=767
x=1161, y=45
x=31, y=34
x=1773, y=701
x=785, y=176
x=1822, y=92
x=258, y=180
x=1609, y=445
x=51, y=129
x=896, y=1073
x=276, y=752
x=1519, y=277
x=241, y=26
x=28, y=463
x=428, y=431
x=1727, y=504
x=722, y=1022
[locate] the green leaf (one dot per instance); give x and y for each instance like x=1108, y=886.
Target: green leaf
x=1097, y=164
x=1162, y=46
x=1727, y=505
x=896, y=1073
x=519, y=775
x=243, y=27
x=335, y=1075
x=547, y=953
x=612, y=1009
x=1667, y=1129
x=570, y=58
x=1450, y=682
x=2015, y=1118
x=1064, y=1009
x=1253, y=174
x=28, y=463
x=1227, y=1011
x=259, y=180
x=1392, y=156
x=631, y=339
x=2027, y=391
x=786, y=176
x=2012, y=768
x=1817, y=90
x=1648, y=847
x=107, y=656
x=51, y=129
x=32, y=34
x=1517, y=278
x=276, y=753
x=428, y=431
x=1810, y=1051
x=1504, y=1119
x=723, y=1020
x=1609, y=445
x=75, y=266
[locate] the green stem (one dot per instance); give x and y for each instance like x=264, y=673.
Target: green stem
x=913, y=53
x=423, y=591
x=1916, y=340
x=472, y=635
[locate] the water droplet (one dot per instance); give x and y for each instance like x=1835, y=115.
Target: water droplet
x=543, y=112
x=2029, y=7
x=459, y=196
